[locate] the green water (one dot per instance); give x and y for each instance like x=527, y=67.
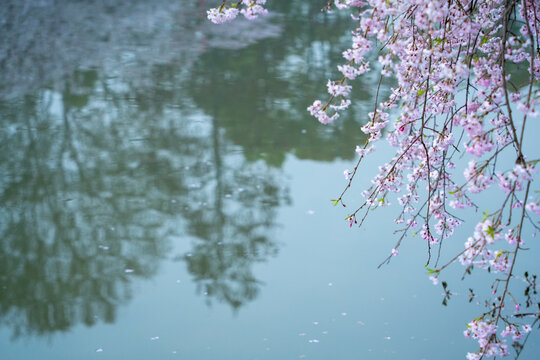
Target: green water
x=165, y=195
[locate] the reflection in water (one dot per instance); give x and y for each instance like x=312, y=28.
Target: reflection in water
x=237, y=205
x=76, y=212
x=94, y=190
x=110, y=152
x=260, y=93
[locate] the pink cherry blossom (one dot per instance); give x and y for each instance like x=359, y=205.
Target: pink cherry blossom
x=454, y=101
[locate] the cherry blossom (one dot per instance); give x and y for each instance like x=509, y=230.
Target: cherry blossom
x=456, y=99
x=251, y=9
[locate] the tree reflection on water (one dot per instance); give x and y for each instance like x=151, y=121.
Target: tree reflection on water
x=102, y=167
x=88, y=196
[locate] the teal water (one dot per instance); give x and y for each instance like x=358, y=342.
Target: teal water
x=165, y=195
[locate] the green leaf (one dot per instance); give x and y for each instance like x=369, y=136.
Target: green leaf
x=420, y=92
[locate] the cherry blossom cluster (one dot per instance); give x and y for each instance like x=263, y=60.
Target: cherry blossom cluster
x=251, y=9
x=478, y=251
x=454, y=95
x=515, y=332
x=483, y=332
x=466, y=87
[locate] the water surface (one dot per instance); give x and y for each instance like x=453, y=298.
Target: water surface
x=165, y=195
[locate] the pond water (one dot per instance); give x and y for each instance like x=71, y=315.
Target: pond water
x=165, y=195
